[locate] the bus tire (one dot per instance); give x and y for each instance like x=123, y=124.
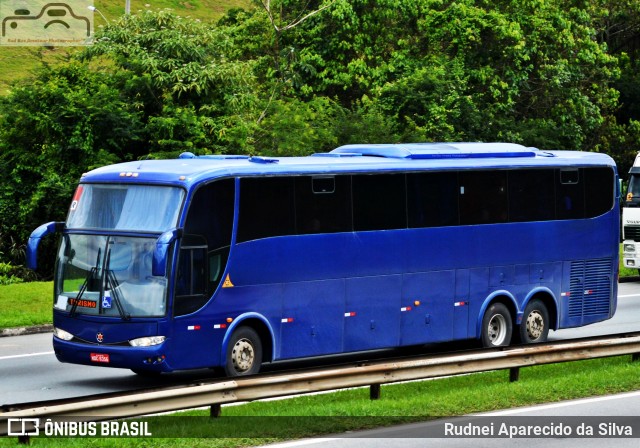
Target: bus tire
x=535, y=323
x=244, y=353
x=497, y=326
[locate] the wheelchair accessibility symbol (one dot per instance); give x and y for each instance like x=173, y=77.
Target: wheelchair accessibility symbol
x=54, y=24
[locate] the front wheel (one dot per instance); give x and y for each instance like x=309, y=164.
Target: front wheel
x=244, y=353
x=497, y=326
x=535, y=323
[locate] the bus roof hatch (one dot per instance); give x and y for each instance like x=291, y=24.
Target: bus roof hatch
x=439, y=150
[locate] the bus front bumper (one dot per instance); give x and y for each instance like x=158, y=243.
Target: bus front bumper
x=151, y=359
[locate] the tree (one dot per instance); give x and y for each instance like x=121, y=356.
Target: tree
x=53, y=129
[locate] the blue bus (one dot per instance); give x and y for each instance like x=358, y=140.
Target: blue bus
x=231, y=262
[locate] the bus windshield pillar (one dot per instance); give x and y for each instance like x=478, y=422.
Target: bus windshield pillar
x=163, y=243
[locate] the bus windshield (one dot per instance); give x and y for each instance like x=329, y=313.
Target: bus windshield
x=633, y=193
x=143, y=208
x=108, y=276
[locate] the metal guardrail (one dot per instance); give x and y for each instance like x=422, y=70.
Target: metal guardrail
x=287, y=384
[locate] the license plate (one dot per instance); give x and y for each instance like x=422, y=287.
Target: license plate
x=100, y=357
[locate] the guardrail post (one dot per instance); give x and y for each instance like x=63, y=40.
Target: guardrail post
x=24, y=440
x=374, y=392
x=215, y=411
x=635, y=357
x=514, y=374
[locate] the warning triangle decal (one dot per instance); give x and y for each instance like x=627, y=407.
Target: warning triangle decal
x=227, y=282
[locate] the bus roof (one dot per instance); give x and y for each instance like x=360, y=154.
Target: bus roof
x=189, y=169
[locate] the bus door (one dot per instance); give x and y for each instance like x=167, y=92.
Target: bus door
x=202, y=259
x=426, y=312
x=191, y=279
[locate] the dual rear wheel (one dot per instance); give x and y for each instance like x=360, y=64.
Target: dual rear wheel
x=497, y=324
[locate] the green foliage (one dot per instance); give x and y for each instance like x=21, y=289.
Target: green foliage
x=7, y=276
x=179, y=73
x=528, y=72
x=300, y=128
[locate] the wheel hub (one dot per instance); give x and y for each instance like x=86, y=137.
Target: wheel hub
x=243, y=355
x=497, y=329
x=535, y=325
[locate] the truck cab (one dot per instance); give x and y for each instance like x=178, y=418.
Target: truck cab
x=631, y=219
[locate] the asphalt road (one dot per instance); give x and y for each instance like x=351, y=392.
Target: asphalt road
x=30, y=371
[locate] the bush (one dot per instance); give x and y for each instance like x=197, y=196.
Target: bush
x=10, y=274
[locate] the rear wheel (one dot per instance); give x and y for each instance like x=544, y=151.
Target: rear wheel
x=535, y=323
x=244, y=353
x=497, y=326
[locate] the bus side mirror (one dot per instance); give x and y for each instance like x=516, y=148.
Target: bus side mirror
x=163, y=243
x=34, y=241
x=620, y=190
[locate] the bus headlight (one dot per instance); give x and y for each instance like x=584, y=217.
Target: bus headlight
x=630, y=248
x=61, y=334
x=147, y=342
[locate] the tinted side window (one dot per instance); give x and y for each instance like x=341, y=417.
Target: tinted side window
x=432, y=199
x=599, y=190
x=323, y=204
x=211, y=213
x=266, y=208
x=379, y=202
x=483, y=197
x=531, y=195
x=569, y=194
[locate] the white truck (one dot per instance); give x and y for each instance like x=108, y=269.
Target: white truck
x=631, y=219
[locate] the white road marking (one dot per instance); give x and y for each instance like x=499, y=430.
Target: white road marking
x=2, y=358
x=563, y=404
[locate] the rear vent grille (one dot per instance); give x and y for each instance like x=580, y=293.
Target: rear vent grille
x=590, y=287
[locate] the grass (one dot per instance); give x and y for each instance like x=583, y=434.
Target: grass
x=26, y=304
x=306, y=416
x=19, y=62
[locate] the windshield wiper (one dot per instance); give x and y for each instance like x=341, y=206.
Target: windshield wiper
x=110, y=282
x=92, y=272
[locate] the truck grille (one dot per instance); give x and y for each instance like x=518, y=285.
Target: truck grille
x=632, y=233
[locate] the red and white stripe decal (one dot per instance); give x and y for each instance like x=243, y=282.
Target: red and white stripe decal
x=76, y=197
x=287, y=320
x=461, y=304
x=219, y=326
x=193, y=327
x=405, y=308
x=588, y=292
x=350, y=314
x=565, y=294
